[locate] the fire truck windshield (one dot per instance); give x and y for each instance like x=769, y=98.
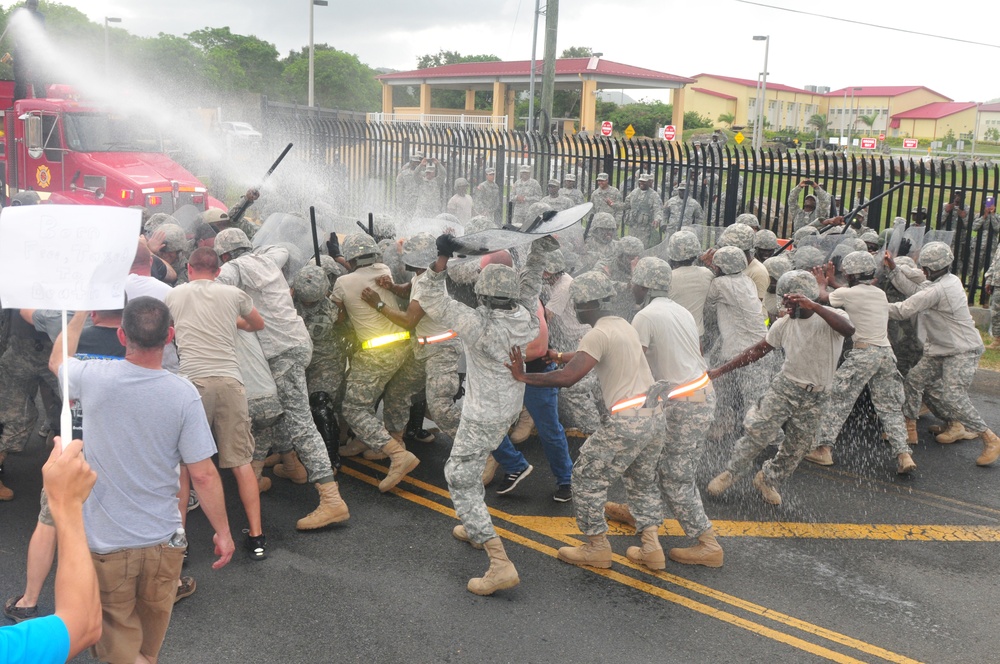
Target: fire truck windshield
x=106, y=132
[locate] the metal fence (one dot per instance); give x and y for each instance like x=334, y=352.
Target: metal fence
x=725, y=181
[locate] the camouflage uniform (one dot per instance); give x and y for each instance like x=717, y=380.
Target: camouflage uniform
x=644, y=215
x=574, y=195
x=328, y=367
x=393, y=370
x=619, y=269
x=406, y=186
x=678, y=212
x=601, y=197
x=802, y=218
x=530, y=190
x=993, y=280
x=595, y=249
x=24, y=368
x=430, y=194
x=486, y=200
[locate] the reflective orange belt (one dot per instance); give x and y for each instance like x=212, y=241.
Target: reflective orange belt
x=437, y=338
x=625, y=404
x=689, y=388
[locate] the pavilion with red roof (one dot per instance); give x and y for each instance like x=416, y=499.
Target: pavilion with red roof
x=504, y=79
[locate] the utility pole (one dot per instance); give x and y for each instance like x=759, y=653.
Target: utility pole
x=531, y=85
x=549, y=71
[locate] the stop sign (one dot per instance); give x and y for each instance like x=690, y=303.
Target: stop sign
x=606, y=127
x=669, y=132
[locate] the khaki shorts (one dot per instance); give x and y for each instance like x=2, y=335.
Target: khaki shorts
x=138, y=587
x=225, y=402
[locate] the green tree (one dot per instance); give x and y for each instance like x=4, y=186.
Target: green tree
x=577, y=52
x=819, y=122
x=644, y=117
x=341, y=81
x=443, y=57
x=239, y=62
x=992, y=134
x=868, y=121
x=692, y=120
x=726, y=118
x=454, y=98
x=949, y=137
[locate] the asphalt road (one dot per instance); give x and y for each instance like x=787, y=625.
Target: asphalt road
x=856, y=565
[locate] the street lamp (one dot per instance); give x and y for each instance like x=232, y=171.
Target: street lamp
x=312, y=71
x=758, y=129
x=107, y=47
x=854, y=119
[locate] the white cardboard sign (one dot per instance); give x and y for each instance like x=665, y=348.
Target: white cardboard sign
x=74, y=257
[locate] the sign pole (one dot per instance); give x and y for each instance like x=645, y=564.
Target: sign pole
x=65, y=418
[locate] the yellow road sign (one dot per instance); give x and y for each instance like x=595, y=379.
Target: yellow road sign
x=739, y=137
x=629, y=131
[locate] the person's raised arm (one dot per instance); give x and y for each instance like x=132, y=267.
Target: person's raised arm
x=406, y=319
x=840, y=324
x=73, y=330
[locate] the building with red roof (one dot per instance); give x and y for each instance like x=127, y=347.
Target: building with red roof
x=849, y=109
x=988, y=125
x=936, y=120
x=715, y=96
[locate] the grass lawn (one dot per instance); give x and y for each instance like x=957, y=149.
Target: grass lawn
x=991, y=358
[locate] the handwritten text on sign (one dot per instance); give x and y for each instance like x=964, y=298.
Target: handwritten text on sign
x=66, y=256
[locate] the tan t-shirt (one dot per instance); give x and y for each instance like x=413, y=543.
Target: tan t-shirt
x=868, y=308
x=368, y=322
x=689, y=288
x=621, y=366
x=204, y=314
x=811, y=347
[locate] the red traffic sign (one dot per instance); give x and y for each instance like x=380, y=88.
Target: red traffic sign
x=909, y=143
x=881, y=137
x=868, y=143
x=669, y=132
x=607, y=127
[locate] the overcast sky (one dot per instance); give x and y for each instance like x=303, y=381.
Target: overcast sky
x=684, y=38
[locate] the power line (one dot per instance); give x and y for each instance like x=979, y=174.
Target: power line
x=871, y=25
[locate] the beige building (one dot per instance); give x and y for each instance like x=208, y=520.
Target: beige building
x=790, y=108
x=936, y=120
x=845, y=107
x=989, y=119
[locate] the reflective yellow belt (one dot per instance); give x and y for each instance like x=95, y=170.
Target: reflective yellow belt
x=378, y=342
x=437, y=338
x=685, y=390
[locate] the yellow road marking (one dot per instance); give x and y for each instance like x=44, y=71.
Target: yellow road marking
x=705, y=609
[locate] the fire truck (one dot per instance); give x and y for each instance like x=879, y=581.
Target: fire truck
x=74, y=152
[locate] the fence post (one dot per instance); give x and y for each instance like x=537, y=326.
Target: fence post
x=878, y=186
x=732, y=192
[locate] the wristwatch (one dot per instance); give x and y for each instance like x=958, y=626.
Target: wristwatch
x=379, y=307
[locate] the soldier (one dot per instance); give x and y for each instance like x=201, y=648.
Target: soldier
x=690, y=282
x=570, y=191
x=619, y=269
x=173, y=250
x=288, y=349
x=682, y=210
x=461, y=203
x=765, y=244
x=438, y=348
x=749, y=220
x=742, y=237
x=606, y=198
x=991, y=221
x=327, y=370
x=505, y=316
x=628, y=443
x=643, y=212
x=383, y=366
x=991, y=282
x=812, y=337
x=815, y=207
x=670, y=341
x=599, y=245
x=486, y=198
x=430, y=190
x=870, y=362
x=951, y=352
x=554, y=199
x=776, y=266
x=220, y=220
x=406, y=184
x=524, y=192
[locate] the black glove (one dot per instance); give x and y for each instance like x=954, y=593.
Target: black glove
x=447, y=245
x=904, y=247
x=333, y=246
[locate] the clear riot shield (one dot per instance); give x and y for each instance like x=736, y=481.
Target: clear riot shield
x=558, y=225
x=431, y=225
x=188, y=217
x=948, y=237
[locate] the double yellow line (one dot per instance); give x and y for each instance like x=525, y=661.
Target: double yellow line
x=655, y=590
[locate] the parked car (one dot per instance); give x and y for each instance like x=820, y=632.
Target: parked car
x=240, y=131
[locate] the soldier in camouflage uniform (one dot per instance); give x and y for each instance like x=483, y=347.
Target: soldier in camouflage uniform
x=599, y=245
x=628, y=443
x=174, y=251
x=554, y=198
x=775, y=266
x=406, y=185
x=681, y=210
x=220, y=220
x=384, y=366
x=505, y=317
x=870, y=362
x=951, y=351
x=644, y=212
x=430, y=190
x=690, y=281
x=486, y=198
x=606, y=198
x=327, y=369
x=619, y=269
x=524, y=192
x=815, y=207
x=991, y=283
x=812, y=337
x=24, y=368
x=288, y=350
x=570, y=190
x=437, y=349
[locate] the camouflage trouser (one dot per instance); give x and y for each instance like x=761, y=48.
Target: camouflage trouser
x=784, y=404
x=943, y=382
x=905, y=344
x=464, y=472
x=578, y=405
x=626, y=445
x=646, y=233
x=876, y=367
x=391, y=370
x=24, y=368
x=296, y=427
x=686, y=423
x=441, y=362
x=995, y=313
x=737, y=392
x=327, y=376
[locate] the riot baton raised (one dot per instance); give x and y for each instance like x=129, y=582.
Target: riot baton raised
x=241, y=209
x=312, y=221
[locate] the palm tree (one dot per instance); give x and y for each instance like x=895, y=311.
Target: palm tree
x=820, y=123
x=868, y=121
x=728, y=119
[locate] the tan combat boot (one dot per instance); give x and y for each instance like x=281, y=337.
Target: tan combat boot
x=720, y=483
x=490, y=471
x=272, y=460
x=595, y=553
x=331, y=508
x=522, y=429
x=291, y=468
x=706, y=552
x=991, y=449
x=462, y=535
x=400, y=463
x=353, y=448
x=911, y=431
x=619, y=512
x=650, y=553
x=821, y=456
x=263, y=483
x=500, y=576
x=768, y=492
x=905, y=464
x=955, y=432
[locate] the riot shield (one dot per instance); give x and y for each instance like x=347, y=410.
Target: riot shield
x=431, y=225
x=486, y=242
x=188, y=217
x=948, y=237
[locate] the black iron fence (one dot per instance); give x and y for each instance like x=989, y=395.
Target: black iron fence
x=724, y=180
